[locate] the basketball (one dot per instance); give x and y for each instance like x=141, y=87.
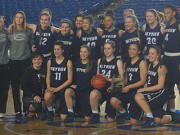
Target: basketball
x=98, y=81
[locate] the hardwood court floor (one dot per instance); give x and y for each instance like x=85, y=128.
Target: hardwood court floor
x=79, y=127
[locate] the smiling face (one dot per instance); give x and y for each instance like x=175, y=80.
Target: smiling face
x=129, y=24
x=44, y=21
x=65, y=28
x=108, y=22
x=79, y=22
x=37, y=62
x=169, y=14
x=86, y=25
x=19, y=19
x=84, y=53
x=108, y=50
x=58, y=51
x=150, y=17
x=153, y=55
x=133, y=51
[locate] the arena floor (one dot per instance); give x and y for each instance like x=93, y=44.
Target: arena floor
x=79, y=127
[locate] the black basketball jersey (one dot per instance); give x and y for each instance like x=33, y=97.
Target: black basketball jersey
x=93, y=41
x=82, y=78
x=68, y=43
x=109, y=69
x=153, y=36
x=133, y=72
x=152, y=75
x=172, y=38
x=113, y=36
x=43, y=40
x=129, y=38
x=58, y=72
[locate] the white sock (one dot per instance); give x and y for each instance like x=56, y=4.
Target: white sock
x=95, y=111
x=149, y=115
x=172, y=110
x=50, y=108
x=70, y=110
x=122, y=111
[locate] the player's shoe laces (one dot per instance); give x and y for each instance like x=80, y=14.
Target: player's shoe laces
x=95, y=118
x=121, y=117
x=70, y=117
x=50, y=115
x=149, y=123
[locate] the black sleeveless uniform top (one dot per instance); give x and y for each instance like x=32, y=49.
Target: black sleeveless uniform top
x=152, y=75
x=93, y=41
x=153, y=37
x=172, y=38
x=113, y=36
x=59, y=73
x=43, y=40
x=109, y=69
x=82, y=78
x=133, y=72
x=68, y=43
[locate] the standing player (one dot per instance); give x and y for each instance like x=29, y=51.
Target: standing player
x=111, y=33
x=84, y=69
x=59, y=77
x=152, y=30
x=133, y=34
x=90, y=37
x=172, y=51
x=135, y=77
x=20, y=52
x=153, y=96
x=4, y=69
x=66, y=37
x=109, y=66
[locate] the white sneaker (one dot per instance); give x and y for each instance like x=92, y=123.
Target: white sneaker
x=2, y=115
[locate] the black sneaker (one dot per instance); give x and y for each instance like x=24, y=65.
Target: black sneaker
x=50, y=115
x=121, y=117
x=95, y=118
x=149, y=123
x=18, y=118
x=70, y=117
x=175, y=117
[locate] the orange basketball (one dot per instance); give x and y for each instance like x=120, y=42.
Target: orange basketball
x=98, y=81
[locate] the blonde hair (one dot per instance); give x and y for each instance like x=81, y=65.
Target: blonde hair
x=24, y=24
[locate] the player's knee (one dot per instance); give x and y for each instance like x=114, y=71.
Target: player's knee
x=47, y=96
x=138, y=96
x=68, y=92
x=94, y=95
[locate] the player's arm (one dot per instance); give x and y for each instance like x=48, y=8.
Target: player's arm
x=79, y=33
x=120, y=70
x=48, y=74
x=99, y=60
x=143, y=28
x=143, y=74
x=55, y=29
x=70, y=77
x=162, y=71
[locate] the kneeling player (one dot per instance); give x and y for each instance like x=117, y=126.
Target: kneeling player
x=109, y=66
x=33, y=84
x=84, y=69
x=153, y=96
x=135, y=78
x=59, y=77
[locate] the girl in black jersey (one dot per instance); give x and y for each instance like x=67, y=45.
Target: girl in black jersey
x=110, y=33
x=172, y=52
x=90, y=36
x=152, y=30
x=153, y=96
x=108, y=66
x=59, y=77
x=66, y=37
x=84, y=69
x=132, y=35
x=135, y=77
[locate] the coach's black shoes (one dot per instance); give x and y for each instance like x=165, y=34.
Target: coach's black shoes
x=95, y=118
x=149, y=123
x=50, y=115
x=121, y=117
x=70, y=117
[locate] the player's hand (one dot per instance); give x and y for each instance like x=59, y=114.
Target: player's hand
x=73, y=86
x=37, y=99
x=33, y=48
x=125, y=89
x=109, y=89
x=141, y=90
